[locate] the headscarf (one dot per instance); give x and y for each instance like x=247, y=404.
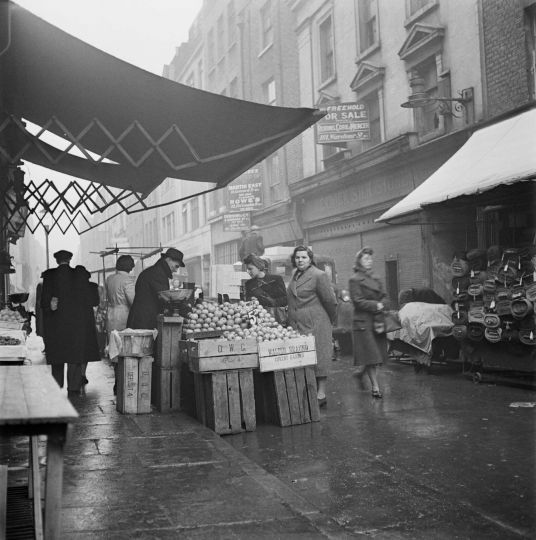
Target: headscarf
x=359, y=255
x=256, y=261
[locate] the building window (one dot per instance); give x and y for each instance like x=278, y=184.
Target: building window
x=416, y=5
x=210, y=48
x=231, y=23
x=168, y=226
x=530, y=45
x=372, y=101
x=226, y=253
x=267, y=28
x=327, y=51
x=368, y=24
x=194, y=210
x=233, y=88
x=427, y=116
x=268, y=90
x=220, y=38
x=273, y=175
x=185, y=227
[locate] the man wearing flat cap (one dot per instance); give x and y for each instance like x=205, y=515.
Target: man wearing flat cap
x=67, y=300
x=147, y=305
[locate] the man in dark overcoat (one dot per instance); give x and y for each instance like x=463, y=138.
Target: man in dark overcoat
x=67, y=300
x=252, y=243
x=147, y=305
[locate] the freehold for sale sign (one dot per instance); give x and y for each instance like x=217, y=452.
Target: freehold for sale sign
x=343, y=122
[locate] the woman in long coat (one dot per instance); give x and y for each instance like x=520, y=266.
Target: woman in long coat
x=311, y=310
x=369, y=299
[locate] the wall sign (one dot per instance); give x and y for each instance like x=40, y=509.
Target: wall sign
x=245, y=193
x=343, y=122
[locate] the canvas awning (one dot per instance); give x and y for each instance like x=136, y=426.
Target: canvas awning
x=500, y=154
x=149, y=127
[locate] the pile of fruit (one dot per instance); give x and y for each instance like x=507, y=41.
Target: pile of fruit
x=11, y=316
x=243, y=320
x=7, y=340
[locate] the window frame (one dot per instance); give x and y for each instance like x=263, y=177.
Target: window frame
x=325, y=75
x=267, y=30
x=365, y=48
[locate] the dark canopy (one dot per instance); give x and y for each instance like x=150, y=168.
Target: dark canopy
x=149, y=126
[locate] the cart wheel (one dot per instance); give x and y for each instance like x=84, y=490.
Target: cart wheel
x=477, y=377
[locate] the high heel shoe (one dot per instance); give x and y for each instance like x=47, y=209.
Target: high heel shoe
x=377, y=394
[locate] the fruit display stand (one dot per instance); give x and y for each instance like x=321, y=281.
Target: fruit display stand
x=223, y=382
x=167, y=366
x=12, y=346
x=285, y=387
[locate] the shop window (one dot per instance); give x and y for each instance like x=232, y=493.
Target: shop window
x=227, y=253
x=368, y=24
x=231, y=23
x=267, y=28
x=530, y=46
x=327, y=50
x=269, y=92
x=273, y=174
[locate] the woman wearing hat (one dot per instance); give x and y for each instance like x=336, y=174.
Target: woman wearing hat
x=268, y=289
x=368, y=296
x=311, y=310
x=120, y=294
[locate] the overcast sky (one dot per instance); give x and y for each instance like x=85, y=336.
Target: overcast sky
x=141, y=32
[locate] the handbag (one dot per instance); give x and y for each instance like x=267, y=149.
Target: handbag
x=386, y=321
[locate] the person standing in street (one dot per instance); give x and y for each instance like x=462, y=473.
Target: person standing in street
x=312, y=308
x=369, y=299
x=147, y=305
x=120, y=290
x=67, y=300
x=251, y=243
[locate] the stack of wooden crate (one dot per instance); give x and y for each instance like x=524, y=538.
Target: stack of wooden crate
x=134, y=373
x=223, y=380
x=285, y=389
x=167, y=367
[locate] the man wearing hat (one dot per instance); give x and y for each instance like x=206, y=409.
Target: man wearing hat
x=252, y=243
x=67, y=300
x=147, y=305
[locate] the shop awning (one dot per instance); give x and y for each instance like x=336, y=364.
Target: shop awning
x=500, y=154
x=148, y=128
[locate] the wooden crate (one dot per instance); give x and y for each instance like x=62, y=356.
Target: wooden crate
x=167, y=342
x=287, y=397
x=134, y=376
x=225, y=400
x=136, y=343
x=287, y=353
x=166, y=389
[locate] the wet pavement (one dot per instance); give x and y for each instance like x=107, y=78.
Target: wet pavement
x=438, y=458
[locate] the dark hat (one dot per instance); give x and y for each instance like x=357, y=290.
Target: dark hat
x=477, y=259
x=493, y=335
x=518, y=291
x=521, y=307
x=494, y=253
x=475, y=331
x=475, y=289
x=459, y=267
x=175, y=255
x=63, y=255
x=124, y=263
x=489, y=286
x=507, y=274
x=504, y=307
x=476, y=315
x=460, y=284
x=459, y=317
x=459, y=332
x=503, y=293
x=491, y=320
x=527, y=337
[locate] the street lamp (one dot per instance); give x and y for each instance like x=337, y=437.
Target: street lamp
x=419, y=99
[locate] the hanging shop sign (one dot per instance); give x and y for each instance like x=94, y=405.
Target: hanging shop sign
x=238, y=221
x=245, y=193
x=344, y=122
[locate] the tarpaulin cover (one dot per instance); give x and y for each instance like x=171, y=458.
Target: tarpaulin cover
x=503, y=153
x=422, y=323
x=149, y=126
